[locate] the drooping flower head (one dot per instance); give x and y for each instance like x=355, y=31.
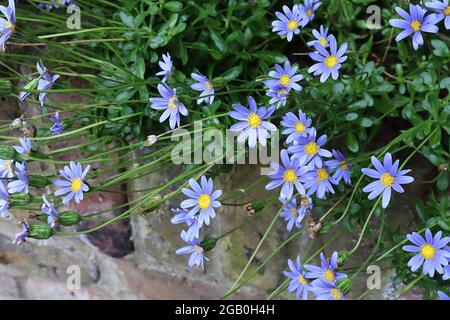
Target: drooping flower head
x=322, y=38
x=325, y=290
x=309, y=149
x=6, y=168
x=443, y=296
x=430, y=252
x=166, y=66
x=443, y=11
x=319, y=181
x=20, y=185
x=330, y=62
x=203, y=200
x=278, y=96
x=205, y=86
x=45, y=82
x=252, y=125
x=292, y=214
x=7, y=24
x=308, y=9
x=170, y=103
x=22, y=236
x=4, y=201
x=388, y=177
x=299, y=284
x=326, y=271
x=288, y=174
x=73, y=186
x=341, y=165
x=58, y=126
x=184, y=216
x=414, y=23
x=49, y=209
x=193, y=248
x=295, y=127
x=25, y=146
x=288, y=23
x=56, y=4
x=285, y=77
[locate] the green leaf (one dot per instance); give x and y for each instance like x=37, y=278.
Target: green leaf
x=232, y=73
x=352, y=143
x=440, y=48
x=218, y=41
x=173, y=6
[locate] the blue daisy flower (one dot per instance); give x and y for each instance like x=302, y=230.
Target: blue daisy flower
x=278, y=96
x=288, y=174
x=166, y=66
x=322, y=38
x=203, y=200
x=299, y=284
x=430, y=252
x=56, y=4
x=20, y=185
x=25, y=146
x=288, y=23
x=7, y=25
x=193, y=248
x=184, y=216
x=284, y=76
x=292, y=214
x=205, y=86
x=4, y=201
x=330, y=62
x=73, y=186
x=46, y=81
x=388, y=177
x=309, y=149
x=319, y=181
x=443, y=11
x=414, y=23
x=57, y=127
x=296, y=127
x=252, y=125
x=22, y=236
x=6, y=168
x=308, y=8
x=342, y=165
x=170, y=103
x=49, y=209
x=327, y=270
x=443, y=296
x=325, y=290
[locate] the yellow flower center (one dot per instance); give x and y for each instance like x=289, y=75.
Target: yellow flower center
x=284, y=80
x=208, y=85
x=344, y=165
x=173, y=102
x=299, y=127
x=416, y=25
x=387, y=180
x=292, y=24
x=447, y=11
x=59, y=2
x=428, y=251
x=323, y=41
x=302, y=279
x=311, y=148
x=204, y=201
x=254, y=120
x=329, y=275
x=282, y=91
x=8, y=164
x=293, y=212
x=198, y=249
x=335, y=294
x=331, y=61
x=309, y=12
x=289, y=176
x=8, y=24
x=76, y=185
x=304, y=201
x=322, y=175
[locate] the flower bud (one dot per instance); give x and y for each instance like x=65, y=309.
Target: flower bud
x=345, y=285
x=343, y=258
x=254, y=207
x=39, y=181
x=209, y=243
x=20, y=199
x=40, y=231
x=151, y=140
x=68, y=218
x=7, y=152
x=5, y=87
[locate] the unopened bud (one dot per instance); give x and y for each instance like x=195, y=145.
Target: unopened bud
x=345, y=285
x=68, y=218
x=39, y=181
x=5, y=87
x=151, y=140
x=343, y=258
x=7, y=152
x=40, y=231
x=255, y=206
x=20, y=199
x=209, y=243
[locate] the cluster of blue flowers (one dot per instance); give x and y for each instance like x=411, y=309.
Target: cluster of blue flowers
x=169, y=101
x=195, y=212
x=56, y=4
x=321, y=280
x=416, y=21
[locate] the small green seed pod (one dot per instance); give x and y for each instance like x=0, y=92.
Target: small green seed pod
x=345, y=285
x=39, y=181
x=343, y=258
x=20, y=199
x=5, y=87
x=209, y=243
x=7, y=152
x=40, y=231
x=68, y=218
